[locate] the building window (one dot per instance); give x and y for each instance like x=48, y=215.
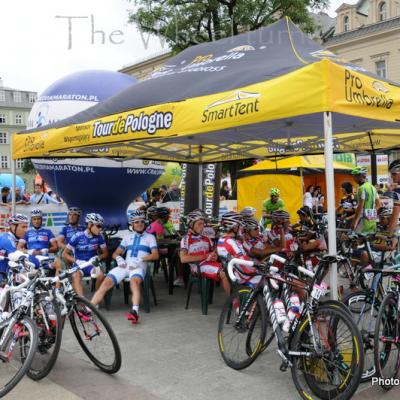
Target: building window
x=19, y=163
x=4, y=162
x=17, y=97
x=2, y=95
x=18, y=119
x=346, y=23
x=3, y=138
x=2, y=118
x=32, y=98
x=382, y=11
x=380, y=68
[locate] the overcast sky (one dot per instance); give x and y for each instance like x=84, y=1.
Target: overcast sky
x=37, y=47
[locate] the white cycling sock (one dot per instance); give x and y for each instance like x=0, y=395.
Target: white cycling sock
x=135, y=308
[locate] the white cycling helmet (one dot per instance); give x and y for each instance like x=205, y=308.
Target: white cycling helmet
x=248, y=212
x=194, y=216
x=230, y=220
x=17, y=219
x=94, y=218
x=250, y=224
x=137, y=215
x=36, y=213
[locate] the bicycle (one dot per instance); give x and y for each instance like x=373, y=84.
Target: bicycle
x=323, y=347
x=387, y=332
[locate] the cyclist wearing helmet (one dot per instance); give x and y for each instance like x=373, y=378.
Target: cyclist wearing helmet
x=229, y=246
x=85, y=246
x=197, y=248
x=281, y=221
x=254, y=243
x=274, y=203
x=18, y=224
x=140, y=247
x=72, y=226
x=162, y=226
x=38, y=240
x=368, y=202
x=348, y=204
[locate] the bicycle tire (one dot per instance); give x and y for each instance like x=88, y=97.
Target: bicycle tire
x=47, y=339
x=245, y=351
x=314, y=370
x=366, y=325
x=384, y=327
x=96, y=315
x=26, y=355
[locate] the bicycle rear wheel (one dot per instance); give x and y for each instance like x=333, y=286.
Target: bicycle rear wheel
x=241, y=328
x=364, y=314
x=333, y=369
x=47, y=316
x=95, y=335
x=16, y=352
x=387, y=340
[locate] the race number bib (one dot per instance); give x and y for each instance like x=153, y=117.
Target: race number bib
x=371, y=214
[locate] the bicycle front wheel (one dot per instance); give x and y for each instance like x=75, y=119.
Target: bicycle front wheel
x=16, y=353
x=387, y=341
x=95, y=335
x=332, y=361
x=241, y=328
x=47, y=316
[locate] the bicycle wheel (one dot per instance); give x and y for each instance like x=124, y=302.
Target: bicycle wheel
x=334, y=367
x=364, y=314
x=47, y=316
x=387, y=340
x=16, y=352
x=241, y=328
x=95, y=335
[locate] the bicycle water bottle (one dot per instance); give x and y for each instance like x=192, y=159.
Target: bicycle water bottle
x=292, y=313
x=17, y=298
x=280, y=311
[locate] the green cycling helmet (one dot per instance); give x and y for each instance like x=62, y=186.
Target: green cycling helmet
x=359, y=171
x=274, y=192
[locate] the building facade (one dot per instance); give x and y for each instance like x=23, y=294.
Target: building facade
x=15, y=106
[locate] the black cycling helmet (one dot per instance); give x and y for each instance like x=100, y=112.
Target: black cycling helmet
x=394, y=166
x=163, y=212
x=305, y=210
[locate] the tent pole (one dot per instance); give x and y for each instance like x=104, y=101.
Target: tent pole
x=14, y=177
x=330, y=191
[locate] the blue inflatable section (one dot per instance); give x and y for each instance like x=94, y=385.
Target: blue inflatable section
x=6, y=180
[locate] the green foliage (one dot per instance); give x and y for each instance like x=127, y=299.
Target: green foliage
x=183, y=23
x=28, y=167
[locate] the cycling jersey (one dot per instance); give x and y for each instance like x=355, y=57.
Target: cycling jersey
x=367, y=223
x=38, y=239
x=253, y=242
x=156, y=228
x=85, y=246
x=269, y=207
x=274, y=237
x=8, y=244
x=69, y=230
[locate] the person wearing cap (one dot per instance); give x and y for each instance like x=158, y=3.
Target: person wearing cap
x=274, y=203
x=367, y=198
x=18, y=224
x=198, y=248
x=86, y=247
x=39, y=241
x=139, y=248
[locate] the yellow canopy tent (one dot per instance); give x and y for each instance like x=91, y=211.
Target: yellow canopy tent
x=291, y=176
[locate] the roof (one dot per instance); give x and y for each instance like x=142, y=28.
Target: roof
x=388, y=24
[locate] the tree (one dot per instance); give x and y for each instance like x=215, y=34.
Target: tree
x=28, y=167
x=183, y=23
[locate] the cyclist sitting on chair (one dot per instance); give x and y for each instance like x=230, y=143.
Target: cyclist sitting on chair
x=40, y=241
x=197, y=248
x=71, y=227
x=140, y=248
x=85, y=246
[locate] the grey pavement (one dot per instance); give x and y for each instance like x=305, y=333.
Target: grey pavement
x=172, y=354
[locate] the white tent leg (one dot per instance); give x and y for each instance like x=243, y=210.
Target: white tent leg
x=330, y=191
x=14, y=178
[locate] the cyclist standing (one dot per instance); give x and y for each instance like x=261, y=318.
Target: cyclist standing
x=8, y=241
x=368, y=202
x=274, y=203
x=85, y=246
x=140, y=247
x=394, y=169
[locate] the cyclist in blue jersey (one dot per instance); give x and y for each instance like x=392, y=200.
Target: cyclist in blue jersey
x=38, y=240
x=88, y=245
x=72, y=226
x=140, y=247
x=8, y=241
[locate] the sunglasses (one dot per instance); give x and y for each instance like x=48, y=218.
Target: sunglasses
x=139, y=222
x=98, y=226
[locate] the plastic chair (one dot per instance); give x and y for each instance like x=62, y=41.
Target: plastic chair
x=205, y=287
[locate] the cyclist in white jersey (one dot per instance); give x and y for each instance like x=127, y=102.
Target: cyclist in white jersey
x=140, y=247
